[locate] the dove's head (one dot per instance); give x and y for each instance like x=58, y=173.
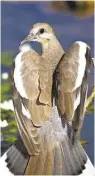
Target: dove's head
x=41, y=32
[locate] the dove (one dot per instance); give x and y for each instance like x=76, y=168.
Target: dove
x=31, y=77
x=43, y=146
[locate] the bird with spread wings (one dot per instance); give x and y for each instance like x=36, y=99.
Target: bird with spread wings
x=49, y=93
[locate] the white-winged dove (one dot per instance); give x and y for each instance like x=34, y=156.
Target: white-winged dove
x=44, y=146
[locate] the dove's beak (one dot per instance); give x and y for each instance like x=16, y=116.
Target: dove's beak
x=30, y=37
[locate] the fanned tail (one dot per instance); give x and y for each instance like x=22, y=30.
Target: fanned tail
x=58, y=156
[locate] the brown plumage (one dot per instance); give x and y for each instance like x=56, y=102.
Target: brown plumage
x=37, y=82
x=49, y=148
x=67, y=87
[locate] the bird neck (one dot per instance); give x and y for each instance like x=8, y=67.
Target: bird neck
x=52, y=51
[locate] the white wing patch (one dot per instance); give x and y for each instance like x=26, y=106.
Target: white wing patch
x=17, y=72
x=26, y=112
x=82, y=63
x=77, y=102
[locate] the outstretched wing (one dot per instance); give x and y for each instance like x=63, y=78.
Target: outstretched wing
x=80, y=111
x=71, y=80
x=31, y=112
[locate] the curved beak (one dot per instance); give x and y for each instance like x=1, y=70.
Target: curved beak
x=30, y=37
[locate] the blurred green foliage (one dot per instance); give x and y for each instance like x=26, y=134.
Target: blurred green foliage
x=83, y=143
x=89, y=103
x=5, y=90
x=9, y=132
x=6, y=59
x=6, y=62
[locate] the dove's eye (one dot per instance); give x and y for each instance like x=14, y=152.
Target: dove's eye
x=41, y=31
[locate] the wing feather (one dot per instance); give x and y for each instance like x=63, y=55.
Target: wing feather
x=66, y=78
x=30, y=111
x=38, y=84
x=71, y=83
x=80, y=111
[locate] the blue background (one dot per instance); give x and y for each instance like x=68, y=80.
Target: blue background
x=17, y=19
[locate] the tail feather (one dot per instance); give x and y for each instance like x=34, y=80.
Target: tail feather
x=74, y=157
x=36, y=163
x=66, y=156
x=31, y=165
x=78, y=161
x=40, y=163
x=63, y=159
x=11, y=161
x=57, y=169
x=71, y=158
x=71, y=161
x=58, y=156
x=81, y=154
x=17, y=158
x=48, y=164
